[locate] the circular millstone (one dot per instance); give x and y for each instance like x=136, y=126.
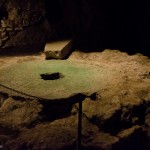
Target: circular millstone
x=54, y=79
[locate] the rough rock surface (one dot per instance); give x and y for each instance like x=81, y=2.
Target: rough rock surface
x=58, y=79
x=17, y=19
x=58, y=49
x=117, y=118
x=31, y=37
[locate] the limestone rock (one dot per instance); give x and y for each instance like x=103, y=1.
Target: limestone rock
x=129, y=132
x=32, y=36
x=15, y=113
x=102, y=141
x=15, y=16
x=62, y=134
x=58, y=49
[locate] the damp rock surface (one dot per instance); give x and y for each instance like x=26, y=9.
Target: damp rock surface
x=118, y=117
x=17, y=19
x=78, y=78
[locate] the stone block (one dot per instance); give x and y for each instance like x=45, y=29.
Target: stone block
x=58, y=49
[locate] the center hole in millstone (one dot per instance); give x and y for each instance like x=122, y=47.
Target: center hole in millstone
x=51, y=76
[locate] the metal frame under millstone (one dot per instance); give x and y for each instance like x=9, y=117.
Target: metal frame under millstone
x=79, y=138
x=75, y=78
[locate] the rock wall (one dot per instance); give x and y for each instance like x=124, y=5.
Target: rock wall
x=16, y=16
x=110, y=24
x=93, y=24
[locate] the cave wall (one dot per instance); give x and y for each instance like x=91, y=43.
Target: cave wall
x=122, y=25
x=17, y=21
x=94, y=25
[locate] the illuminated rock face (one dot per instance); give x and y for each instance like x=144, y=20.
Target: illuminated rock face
x=16, y=22
x=28, y=24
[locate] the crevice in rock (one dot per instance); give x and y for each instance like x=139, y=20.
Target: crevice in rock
x=57, y=109
x=3, y=97
x=45, y=111
x=52, y=111
x=137, y=140
x=111, y=125
x=21, y=99
x=3, y=13
x=147, y=105
x=8, y=132
x=124, y=118
x=139, y=113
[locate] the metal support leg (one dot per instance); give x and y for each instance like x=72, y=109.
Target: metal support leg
x=79, y=126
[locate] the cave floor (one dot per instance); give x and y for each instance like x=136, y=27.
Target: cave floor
x=117, y=118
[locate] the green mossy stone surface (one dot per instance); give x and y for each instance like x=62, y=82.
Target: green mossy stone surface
x=78, y=78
